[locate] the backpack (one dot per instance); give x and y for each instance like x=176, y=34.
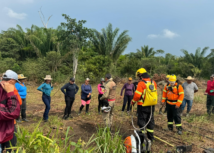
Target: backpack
x=150, y=96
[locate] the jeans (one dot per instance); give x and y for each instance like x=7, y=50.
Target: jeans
x=129, y=99
x=0, y=148
x=69, y=102
x=47, y=101
x=189, y=104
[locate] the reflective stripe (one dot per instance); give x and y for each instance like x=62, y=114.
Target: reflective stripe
x=140, y=100
x=178, y=124
x=144, y=92
x=181, y=93
x=143, y=131
x=170, y=122
x=151, y=131
x=163, y=98
x=138, y=92
x=172, y=102
x=179, y=101
x=164, y=90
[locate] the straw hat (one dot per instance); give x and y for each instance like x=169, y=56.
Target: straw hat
x=21, y=76
x=48, y=77
x=189, y=78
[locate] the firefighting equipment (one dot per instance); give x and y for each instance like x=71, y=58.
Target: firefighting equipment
x=106, y=109
x=172, y=78
x=150, y=96
x=140, y=71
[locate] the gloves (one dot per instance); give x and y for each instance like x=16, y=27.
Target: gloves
x=133, y=102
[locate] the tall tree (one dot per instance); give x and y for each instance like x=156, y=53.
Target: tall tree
x=147, y=52
x=74, y=36
x=110, y=43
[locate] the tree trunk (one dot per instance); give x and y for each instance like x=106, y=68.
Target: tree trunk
x=75, y=63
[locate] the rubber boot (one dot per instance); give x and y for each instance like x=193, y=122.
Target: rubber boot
x=179, y=130
x=81, y=107
x=18, y=120
x=187, y=115
x=87, y=109
x=66, y=117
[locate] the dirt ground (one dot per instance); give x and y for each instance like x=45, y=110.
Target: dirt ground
x=84, y=126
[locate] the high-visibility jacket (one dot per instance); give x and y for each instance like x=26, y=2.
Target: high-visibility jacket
x=19, y=99
x=174, y=97
x=138, y=96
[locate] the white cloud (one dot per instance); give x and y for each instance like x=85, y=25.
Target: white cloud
x=165, y=34
x=15, y=15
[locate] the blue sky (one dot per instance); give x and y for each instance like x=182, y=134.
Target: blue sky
x=170, y=25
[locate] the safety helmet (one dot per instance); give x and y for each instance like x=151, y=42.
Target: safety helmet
x=172, y=78
x=140, y=71
x=106, y=109
x=168, y=76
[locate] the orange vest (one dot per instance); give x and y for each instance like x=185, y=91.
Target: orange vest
x=19, y=99
x=174, y=97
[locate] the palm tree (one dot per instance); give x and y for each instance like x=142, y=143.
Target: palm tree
x=110, y=43
x=147, y=52
x=198, y=58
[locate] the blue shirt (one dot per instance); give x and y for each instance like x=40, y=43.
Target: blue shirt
x=45, y=88
x=86, y=89
x=22, y=90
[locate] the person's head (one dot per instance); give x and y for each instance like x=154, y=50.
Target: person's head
x=142, y=73
x=21, y=78
x=72, y=80
x=130, y=81
x=10, y=76
x=48, y=79
x=87, y=80
x=107, y=77
x=189, y=79
x=172, y=80
x=212, y=77
x=167, y=78
x=102, y=80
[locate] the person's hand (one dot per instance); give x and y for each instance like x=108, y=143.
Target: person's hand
x=205, y=93
x=162, y=104
x=177, y=106
x=7, y=86
x=121, y=97
x=88, y=96
x=132, y=103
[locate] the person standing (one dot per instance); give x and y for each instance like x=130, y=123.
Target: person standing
x=173, y=94
x=163, y=84
x=71, y=90
x=146, y=105
x=46, y=89
x=210, y=95
x=9, y=110
x=109, y=96
x=189, y=89
x=85, y=96
x=22, y=90
x=100, y=88
x=129, y=92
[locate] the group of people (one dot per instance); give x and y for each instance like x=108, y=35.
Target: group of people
x=175, y=96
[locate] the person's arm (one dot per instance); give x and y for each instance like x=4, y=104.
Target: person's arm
x=133, y=89
x=83, y=90
x=40, y=87
x=77, y=89
x=180, y=96
x=99, y=88
x=64, y=87
x=122, y=89
x=138, y=92
x=195, y=88
x=106, y=93
x=12, y=109
x=164, y=95
x=206, y=91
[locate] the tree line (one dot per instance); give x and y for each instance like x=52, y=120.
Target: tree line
x=72, y=49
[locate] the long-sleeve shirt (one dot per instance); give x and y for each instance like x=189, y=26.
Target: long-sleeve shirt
x=9, y=110
x=110, y=91
x=71, y=90
x=210, y=86
x=100, y=89
x=129, y=89
x=174, y=97
x=86, y=89
x=45, y=88
x=22, y=90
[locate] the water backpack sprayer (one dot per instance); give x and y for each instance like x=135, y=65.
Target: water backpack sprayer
x=106, y=108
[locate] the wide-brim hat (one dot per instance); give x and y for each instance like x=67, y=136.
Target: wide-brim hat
x=48, y=77
x=21, y=76
x=189, y=78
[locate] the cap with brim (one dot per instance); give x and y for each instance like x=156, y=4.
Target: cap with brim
x=87, y=79
x=212, y=75
x=130, y=79
x=102, y=79
x=189, y=78
x=9, y=74
x=72, y=79
x=48, y=77
x=21, y=76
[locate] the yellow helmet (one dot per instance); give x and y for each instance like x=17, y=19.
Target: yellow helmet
x=168, y=76
x=172, y=78
x=140, y=71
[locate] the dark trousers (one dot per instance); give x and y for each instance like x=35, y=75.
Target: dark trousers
x=173, y=114
x=129, y=99
x=210, y=104
x=100, y=102
x=69, y=102
x=12, y=142
x=143, y=118
x=23, y=108
x=47, y=101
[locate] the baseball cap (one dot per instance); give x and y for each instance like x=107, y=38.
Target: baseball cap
x=9, y=74
x=72, y=79
x=102, y=79
x=212, y=76
x=108, y=76
x=130, y=79
x=87, y=79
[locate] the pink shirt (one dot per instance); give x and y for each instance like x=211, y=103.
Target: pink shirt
x=100, y=89
x=210, y=86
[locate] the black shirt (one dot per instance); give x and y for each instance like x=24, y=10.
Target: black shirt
x=135, y=85
x=71, y=89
